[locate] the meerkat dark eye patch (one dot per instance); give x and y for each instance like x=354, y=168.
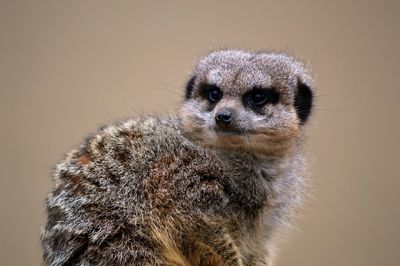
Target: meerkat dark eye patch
x=189, y=88
x=259, y=97
x=303, y=101
x=210, y=92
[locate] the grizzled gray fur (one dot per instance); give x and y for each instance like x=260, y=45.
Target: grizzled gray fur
x=212, y=185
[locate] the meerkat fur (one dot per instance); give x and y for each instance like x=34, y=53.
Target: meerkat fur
x=210, y=185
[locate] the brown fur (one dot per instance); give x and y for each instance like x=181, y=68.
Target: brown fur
x=182, y=190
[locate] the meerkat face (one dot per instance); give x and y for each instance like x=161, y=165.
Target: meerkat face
x=244, y=100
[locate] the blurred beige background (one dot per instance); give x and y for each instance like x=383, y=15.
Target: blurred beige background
x=68, y=66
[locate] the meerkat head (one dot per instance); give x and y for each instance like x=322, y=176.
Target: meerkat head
x=245, y=100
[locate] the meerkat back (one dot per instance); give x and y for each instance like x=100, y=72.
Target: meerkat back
x=136, y=193
x=210, y=186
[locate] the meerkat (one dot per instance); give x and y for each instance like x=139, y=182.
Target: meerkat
x=212, y=185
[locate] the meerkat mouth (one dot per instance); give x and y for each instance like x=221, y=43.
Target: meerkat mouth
x=230, y=131
x=236, y=132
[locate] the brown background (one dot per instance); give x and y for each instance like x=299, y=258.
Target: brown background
x=68, y=66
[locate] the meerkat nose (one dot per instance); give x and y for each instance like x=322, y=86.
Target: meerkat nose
x=223, y=117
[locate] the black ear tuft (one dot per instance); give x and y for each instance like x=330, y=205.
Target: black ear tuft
x=303, y=101
x=189, y=88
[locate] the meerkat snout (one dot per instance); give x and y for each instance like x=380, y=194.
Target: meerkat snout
x=223, y=118
x=227, y=114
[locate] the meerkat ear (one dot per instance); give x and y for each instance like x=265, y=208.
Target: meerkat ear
x=189, y=87
x=303, y=101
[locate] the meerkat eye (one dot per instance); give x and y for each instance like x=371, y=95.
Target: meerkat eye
x=211, y=92
x=214, y=95
x=258, y=97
